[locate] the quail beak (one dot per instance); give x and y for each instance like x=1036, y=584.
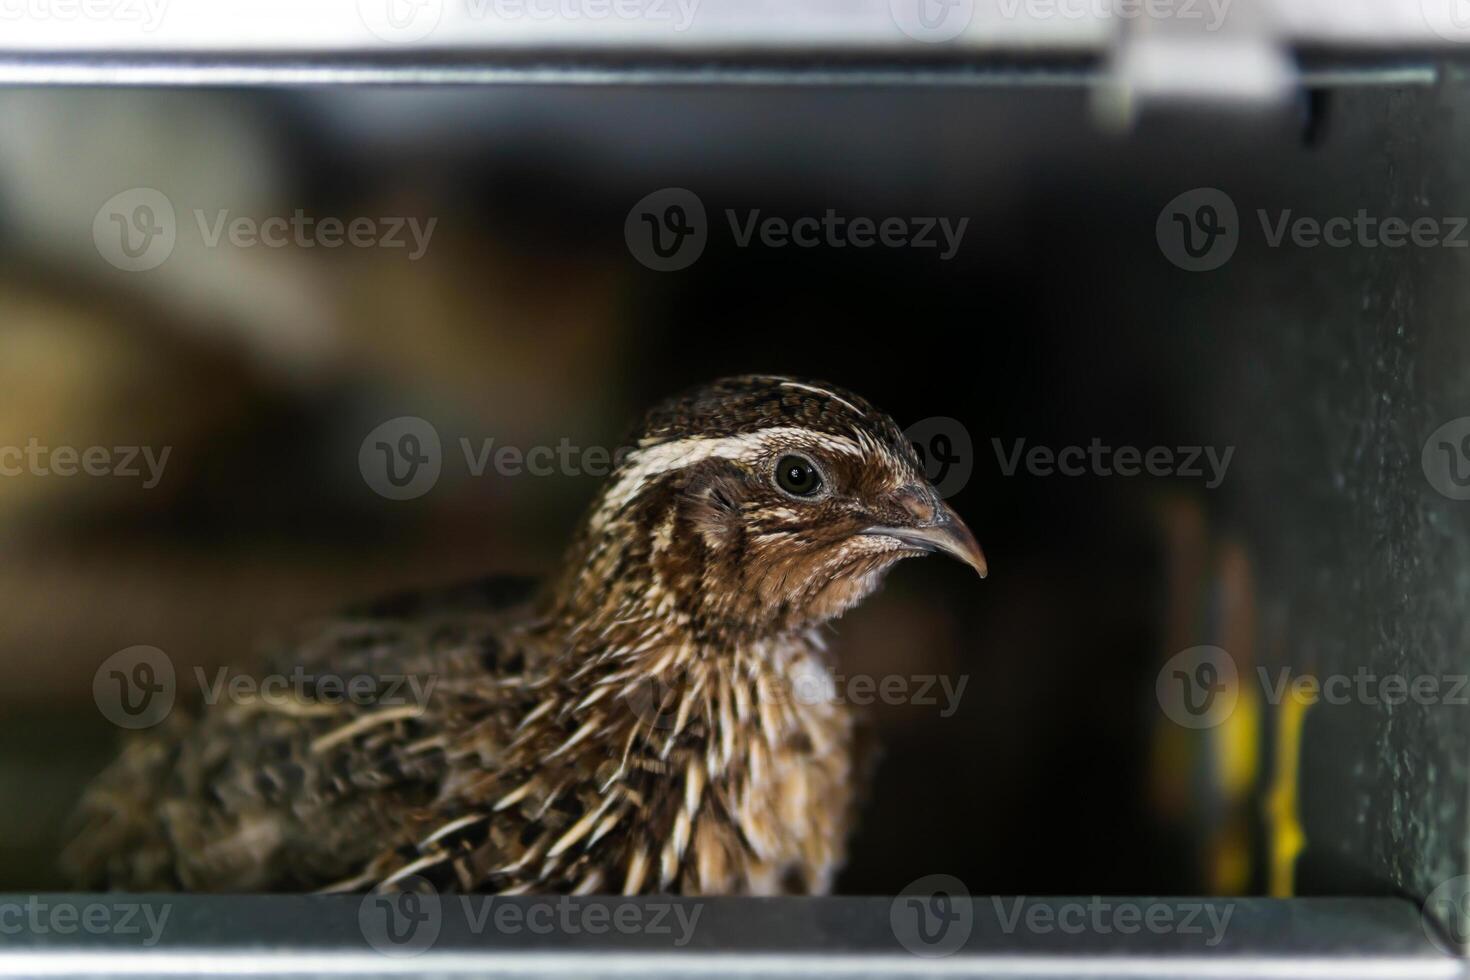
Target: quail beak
x=946, y=534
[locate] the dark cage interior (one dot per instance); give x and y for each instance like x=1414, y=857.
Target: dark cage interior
x=1292, y=392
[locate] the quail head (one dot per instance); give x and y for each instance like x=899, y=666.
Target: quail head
x=628, y=726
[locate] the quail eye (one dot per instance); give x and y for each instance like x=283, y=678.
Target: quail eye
x=797, y=476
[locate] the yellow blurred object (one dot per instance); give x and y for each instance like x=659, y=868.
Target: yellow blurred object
x=92, y=368
x=1283, y=809
x=1236, y=746
x=1206, y=779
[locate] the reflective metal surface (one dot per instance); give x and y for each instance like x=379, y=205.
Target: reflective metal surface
x=1223, y=50
x=433, y=935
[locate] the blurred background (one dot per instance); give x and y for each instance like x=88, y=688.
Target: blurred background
x=1059, y=320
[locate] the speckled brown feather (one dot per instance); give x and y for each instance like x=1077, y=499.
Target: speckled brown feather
x=632, y=728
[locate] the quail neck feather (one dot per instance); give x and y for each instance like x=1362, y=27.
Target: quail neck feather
x=628, y=726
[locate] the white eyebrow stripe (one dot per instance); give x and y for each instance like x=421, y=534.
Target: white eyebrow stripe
x=644, y=466
x=825, y=394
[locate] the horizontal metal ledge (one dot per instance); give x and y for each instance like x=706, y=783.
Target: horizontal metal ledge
x=1020, y=26
x=554, y=68
x=568, y=68
x=650, y=938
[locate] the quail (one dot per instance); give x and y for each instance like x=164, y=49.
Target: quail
x=627, y=726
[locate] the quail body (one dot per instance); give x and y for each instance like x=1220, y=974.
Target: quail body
x=630, y=725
